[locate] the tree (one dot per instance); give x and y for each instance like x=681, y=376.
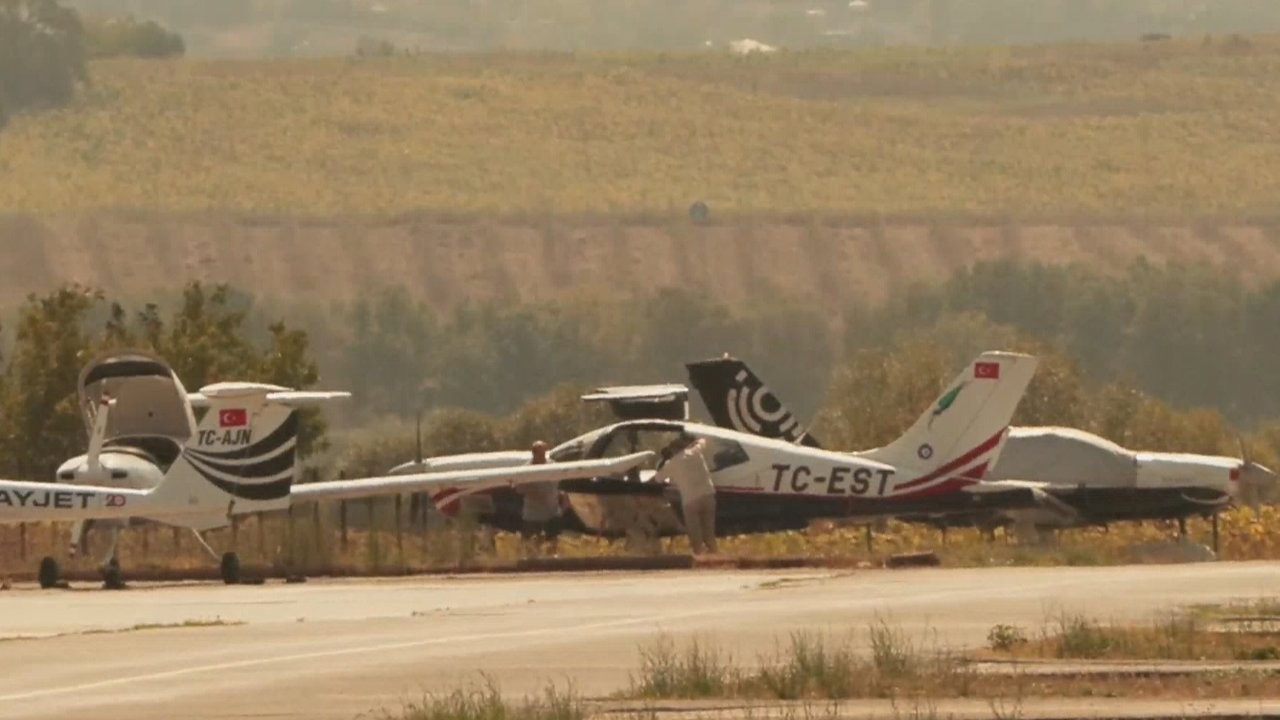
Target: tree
x=41, y=420
x=42, y=56
x=205, y=341
x=130, y=37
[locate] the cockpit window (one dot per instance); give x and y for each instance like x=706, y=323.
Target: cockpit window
x=722, y=453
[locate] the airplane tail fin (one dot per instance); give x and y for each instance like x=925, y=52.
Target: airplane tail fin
x=962, y=432
x=242, y=456
x=738, y=400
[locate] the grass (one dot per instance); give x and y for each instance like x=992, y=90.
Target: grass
x=318, y=549
x=140, y=627
x=883, y=663
x=887, y=663
x=198, y=623
x=1184, y=634
x=483, y=701
x=1178, y=129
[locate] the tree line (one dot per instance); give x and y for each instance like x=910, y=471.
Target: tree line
x=45, y=47
x=1155, y=357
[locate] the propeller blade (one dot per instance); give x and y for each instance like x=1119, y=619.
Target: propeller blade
x=96, y=439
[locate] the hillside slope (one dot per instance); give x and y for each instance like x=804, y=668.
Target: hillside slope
x=443, y=262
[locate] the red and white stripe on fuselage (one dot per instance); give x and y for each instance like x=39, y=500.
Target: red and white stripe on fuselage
x=975, y=462
x=839, y=480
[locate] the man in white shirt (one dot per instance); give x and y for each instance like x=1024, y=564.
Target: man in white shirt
x=540, y=509
x=686, y=468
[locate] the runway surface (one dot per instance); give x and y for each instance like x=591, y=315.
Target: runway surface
x=335, y=649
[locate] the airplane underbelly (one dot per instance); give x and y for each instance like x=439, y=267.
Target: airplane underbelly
x=1098, y=505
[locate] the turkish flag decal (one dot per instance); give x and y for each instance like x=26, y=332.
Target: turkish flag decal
x=986, y=370
x=233, y=417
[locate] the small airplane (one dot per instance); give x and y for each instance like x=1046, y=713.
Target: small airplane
x=590, y=505
x=149, y=458
x=778, y=483
x=809, y=485
x=1086, y=479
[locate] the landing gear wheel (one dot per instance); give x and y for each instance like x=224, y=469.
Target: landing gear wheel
x=230, y=568
x=49, y=573
x=112, y=578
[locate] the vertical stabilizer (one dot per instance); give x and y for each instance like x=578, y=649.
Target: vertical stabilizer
x=961, y=433
x=738, y=400
x=242, y=455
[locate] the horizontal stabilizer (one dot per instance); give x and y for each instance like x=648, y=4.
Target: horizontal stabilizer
x=644, y=402
x=274, y=394
x=468, y=480
x=639, y=393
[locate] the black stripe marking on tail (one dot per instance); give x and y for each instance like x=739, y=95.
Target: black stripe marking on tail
x=264, y=491
x=253, y=471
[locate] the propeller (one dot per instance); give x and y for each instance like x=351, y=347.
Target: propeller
x=93, y=462
x=1256, y=482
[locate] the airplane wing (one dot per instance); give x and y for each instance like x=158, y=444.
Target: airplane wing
x=467, y=480
x=287, y=398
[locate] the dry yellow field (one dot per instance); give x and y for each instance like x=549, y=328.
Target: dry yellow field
x=831, y=176
x=1179, y=129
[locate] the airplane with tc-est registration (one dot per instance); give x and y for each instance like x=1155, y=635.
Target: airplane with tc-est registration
x=1089, y=480
x=765, y=484
x=937, y=466
x=149, y=458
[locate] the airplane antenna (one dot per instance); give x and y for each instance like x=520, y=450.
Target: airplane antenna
x=419, y=436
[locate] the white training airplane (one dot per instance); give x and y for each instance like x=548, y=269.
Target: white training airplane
x=149, y=458
x=785, y=494
x=1085, y=479
x=937, y=466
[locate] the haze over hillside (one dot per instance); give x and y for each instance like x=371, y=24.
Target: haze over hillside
x=256, y=28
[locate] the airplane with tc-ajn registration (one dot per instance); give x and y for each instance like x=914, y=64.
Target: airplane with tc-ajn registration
x=1087, y=479
x=149, y=458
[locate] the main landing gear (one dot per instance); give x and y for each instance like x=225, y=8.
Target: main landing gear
x=230, y=568
x=228, y=562
x=49, y=574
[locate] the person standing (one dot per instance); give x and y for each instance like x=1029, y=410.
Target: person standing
x=540, y=506
x=686, y=469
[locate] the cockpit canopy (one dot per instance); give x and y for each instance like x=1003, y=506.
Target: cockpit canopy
x=151, y=404
x=623, y=438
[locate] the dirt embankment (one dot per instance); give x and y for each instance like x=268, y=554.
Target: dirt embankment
x=443, y=262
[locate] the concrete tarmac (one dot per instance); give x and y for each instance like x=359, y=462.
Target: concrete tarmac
x=337, y=648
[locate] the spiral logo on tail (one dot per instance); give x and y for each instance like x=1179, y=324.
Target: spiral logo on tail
x=755, y=409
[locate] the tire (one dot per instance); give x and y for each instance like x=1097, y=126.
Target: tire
x=230, y=568
x=112, y=578
x=49, y=573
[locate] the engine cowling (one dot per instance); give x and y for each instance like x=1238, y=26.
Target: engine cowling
x=116, y=468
